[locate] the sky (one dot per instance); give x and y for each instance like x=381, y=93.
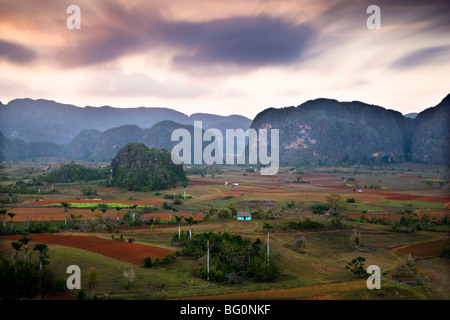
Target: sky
x=225, y=56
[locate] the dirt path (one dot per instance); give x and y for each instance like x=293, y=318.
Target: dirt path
x=309, y=291
x=123, y=251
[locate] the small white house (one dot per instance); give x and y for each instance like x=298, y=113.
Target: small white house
x=235, y=184
x=226, y=183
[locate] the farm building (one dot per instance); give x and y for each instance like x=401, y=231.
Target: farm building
x=244, y=216
x=402, y=272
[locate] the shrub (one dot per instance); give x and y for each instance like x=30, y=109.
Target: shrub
x=130, y=276
x=146, y=262
x=92, y=277
x=306, y=223
x=299, y=243
x=336, y=223
x=290, y=204
x=320, y=208
x=88, y=191
x=356, y=266
x=445, y=252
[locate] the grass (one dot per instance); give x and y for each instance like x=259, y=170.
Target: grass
x=77, y=205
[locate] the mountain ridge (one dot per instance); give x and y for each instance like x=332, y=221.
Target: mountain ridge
x=47, y=120
x=318, y=132
x=328, y=132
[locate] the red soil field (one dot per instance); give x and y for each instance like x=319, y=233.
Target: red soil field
x=422, y=250
x=127, y=202
x=301, y=292
x=195, y=182
x=57, y=214
x=123, y=251
x=167, y=216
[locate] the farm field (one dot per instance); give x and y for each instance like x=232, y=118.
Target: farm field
x=389, y=196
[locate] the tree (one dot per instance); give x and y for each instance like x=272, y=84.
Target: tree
x=336, y=203
x=190, y=221
x=25, y=241
x=92, y=210
x=92, y=277
x=103, y=208
x=232, y=208
x=66, y=208
x=3, y=213
x=356, y=238
x=269, y=227
x=356, y=266
x=118, y=212
x=290, y=204
x=11, y=215
x=129, y=275
x=43, y=249
x=178, y=219
x=133, y=208
x=16, y=246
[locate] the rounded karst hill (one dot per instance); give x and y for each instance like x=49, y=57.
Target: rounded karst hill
x=137, y=167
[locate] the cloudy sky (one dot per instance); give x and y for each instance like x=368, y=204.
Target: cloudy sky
x=225, y=56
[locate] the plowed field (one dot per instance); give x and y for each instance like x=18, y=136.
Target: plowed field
x=123, y=251
x=422, y=250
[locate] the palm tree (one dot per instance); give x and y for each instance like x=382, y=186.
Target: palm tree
x=11, y=215
x=118, y=212
x=268, y=226
x=66, y=208
x=3, y=213
x=43, y=249
x=92, y=210
x=25, y=241
x=133, y=208
x=178, y=219
x=191, y=221
x=16, y=246
x=103, y=208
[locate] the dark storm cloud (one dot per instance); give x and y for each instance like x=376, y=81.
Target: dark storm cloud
x=246, y=41
x=429, y=16
x=423, y=56
x=16, y=53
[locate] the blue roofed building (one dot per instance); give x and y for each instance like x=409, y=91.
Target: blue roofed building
x=244, y=216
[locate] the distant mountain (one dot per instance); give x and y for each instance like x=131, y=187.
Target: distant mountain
x=83, y=145
x=16, y=149
x=411, y=115
x=431, y=141
x=328, y=132
x=159, y=136
x=112, y=140
x=317, y=132
x=44, y=120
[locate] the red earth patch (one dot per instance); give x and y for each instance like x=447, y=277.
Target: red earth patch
x=123, y=251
